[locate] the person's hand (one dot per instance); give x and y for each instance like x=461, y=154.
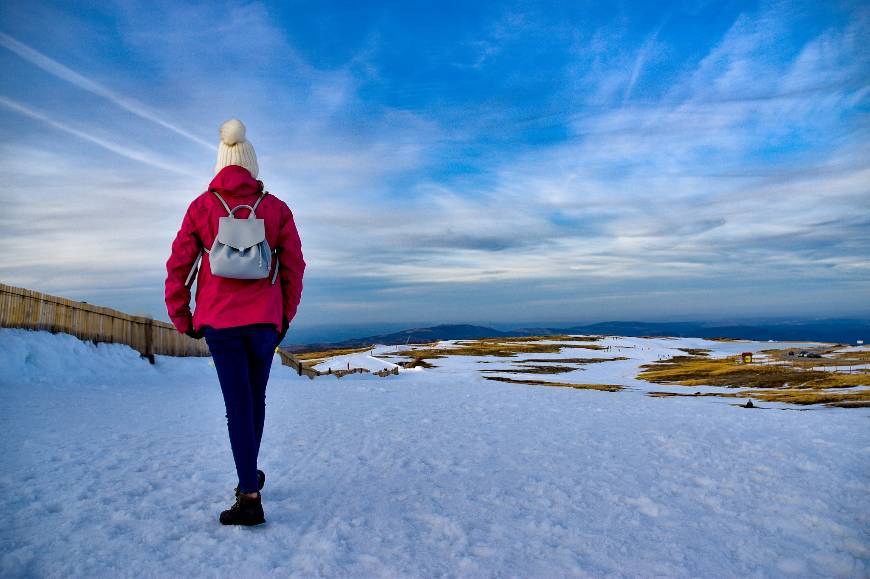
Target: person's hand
x=196, y=335
x=284, y=327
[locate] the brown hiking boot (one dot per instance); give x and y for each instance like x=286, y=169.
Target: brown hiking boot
x=246, y=511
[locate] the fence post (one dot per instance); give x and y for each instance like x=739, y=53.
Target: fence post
x=149, y=340
x=23, y=308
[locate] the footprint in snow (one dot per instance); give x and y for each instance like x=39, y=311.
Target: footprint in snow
x=647, y=506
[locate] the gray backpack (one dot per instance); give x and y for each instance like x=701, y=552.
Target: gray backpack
x=240, y=249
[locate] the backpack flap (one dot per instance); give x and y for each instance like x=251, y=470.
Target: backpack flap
x=241, y=233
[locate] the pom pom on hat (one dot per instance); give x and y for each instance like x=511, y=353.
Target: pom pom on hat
x=235, y=149
x=232, y=132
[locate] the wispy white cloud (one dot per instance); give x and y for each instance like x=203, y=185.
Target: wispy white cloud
x=643, y=55
x=745, y=170
x=65, y=73
x=134, y=154
x=678, y=189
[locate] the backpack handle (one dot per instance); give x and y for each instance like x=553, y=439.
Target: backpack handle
x=237, y=207
x=232, y=211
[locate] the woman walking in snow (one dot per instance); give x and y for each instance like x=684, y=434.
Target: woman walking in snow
x=240, y=309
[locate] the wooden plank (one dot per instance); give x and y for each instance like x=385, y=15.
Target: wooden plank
x=23, y=308
x=288, y=359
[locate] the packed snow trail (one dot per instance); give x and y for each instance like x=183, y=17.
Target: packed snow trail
x=118, y=468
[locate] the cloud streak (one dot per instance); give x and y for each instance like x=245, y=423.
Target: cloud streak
x=62, y=72
x=133, y=154
x=640, y=61
x=569, y=168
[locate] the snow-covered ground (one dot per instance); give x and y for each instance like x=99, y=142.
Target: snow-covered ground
x=356, y=360
x=114, y=467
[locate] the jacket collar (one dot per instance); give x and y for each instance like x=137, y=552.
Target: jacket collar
x=235, y=180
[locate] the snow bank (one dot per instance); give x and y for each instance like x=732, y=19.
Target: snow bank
x=28, y=356
x=353, y=361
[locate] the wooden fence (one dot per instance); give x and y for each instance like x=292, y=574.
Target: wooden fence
x=22, y=308
x=296, y=364
x=292, y=361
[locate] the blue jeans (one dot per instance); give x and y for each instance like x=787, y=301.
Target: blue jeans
x=243, y=358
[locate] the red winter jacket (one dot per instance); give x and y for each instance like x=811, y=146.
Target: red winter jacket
x=222, y=302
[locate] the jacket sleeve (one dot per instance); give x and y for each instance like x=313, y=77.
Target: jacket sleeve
x=292, y=266
x=185, y=248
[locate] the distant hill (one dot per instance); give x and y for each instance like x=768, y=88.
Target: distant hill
x=415, y=336
x=838, y=331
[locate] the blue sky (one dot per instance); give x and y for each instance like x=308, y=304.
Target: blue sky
x=454, y=162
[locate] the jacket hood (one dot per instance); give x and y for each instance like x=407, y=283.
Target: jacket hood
x=235, y=180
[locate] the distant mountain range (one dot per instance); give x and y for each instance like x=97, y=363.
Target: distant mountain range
x=838, y=331
x=835, y=330
x=416, y=336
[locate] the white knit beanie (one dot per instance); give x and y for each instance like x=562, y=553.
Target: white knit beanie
x=234, y=149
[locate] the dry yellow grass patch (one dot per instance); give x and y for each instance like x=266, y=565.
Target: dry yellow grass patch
x=499, y=347
x=550, y=365
x=858, y=357
x=533, y=369
x=811, y=396
x=554, y=337
x=693, y=371
x=323, y=354
x=602, y=387
x=850, y=404
x=417, y=362
x=570, y=360
x=695, y=351
x=694, y=395
x=467, y=348
x=774, y=383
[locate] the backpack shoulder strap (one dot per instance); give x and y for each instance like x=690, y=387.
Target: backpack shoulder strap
x=230, y=211
x=194, y=267
x=260, y=198
x=224, y=203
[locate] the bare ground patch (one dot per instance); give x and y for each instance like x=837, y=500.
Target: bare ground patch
x=695, y=351
x=324, y=354
x=771, y=383
x=499, y=347
x=602, y=387
x=570, y=360
x=533, y=370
